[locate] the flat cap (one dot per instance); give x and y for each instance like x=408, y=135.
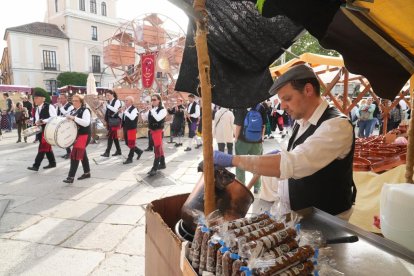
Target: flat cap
x=297, y=72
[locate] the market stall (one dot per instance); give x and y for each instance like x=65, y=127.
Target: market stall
x=164, y=248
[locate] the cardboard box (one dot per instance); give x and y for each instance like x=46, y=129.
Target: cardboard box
x=163, y=248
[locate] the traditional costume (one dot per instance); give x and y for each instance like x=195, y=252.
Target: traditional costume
x=129, y=124
x=63, y=111
x=111, y=114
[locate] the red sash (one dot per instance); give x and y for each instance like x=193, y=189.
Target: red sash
x=114, y=132
x=131, y=138
x=44, y=146
x=79, y=147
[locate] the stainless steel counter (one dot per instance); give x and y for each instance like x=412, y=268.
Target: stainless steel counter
x=372, y=255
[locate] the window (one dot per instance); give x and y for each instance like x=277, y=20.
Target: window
x=93, y=6
x=56, y=6
x=96, y=64
x=94, y=33
x=51, y=86
x=49, y=60
x=103, y=8
x=82, y=5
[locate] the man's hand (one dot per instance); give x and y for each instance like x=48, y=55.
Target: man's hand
x=222, y=159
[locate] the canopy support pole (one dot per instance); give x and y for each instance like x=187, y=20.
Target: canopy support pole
x=205, y=84
x=410, y=148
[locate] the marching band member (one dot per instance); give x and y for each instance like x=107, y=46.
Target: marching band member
x=64, y=108
x=81, y=115
x=156, y=118
x=129, y=115
x=44, y=112
x=192, y=115
x=111, y=116
x=178, y=124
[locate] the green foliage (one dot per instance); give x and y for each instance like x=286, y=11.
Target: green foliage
x=72, y=78
x=44, y=92
x=306, y=44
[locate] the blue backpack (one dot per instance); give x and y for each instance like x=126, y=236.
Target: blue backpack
x=253, y=123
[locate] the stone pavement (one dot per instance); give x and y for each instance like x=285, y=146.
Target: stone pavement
x=91, y=227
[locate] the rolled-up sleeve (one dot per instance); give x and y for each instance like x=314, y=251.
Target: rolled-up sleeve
x=332, y=140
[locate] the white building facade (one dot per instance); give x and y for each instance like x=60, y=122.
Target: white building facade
x=70, y=40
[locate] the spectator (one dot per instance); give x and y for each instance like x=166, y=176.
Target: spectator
x=10, y=111
x=366, y=118
x=27, y=104
x=178, y=123
x=224, y=129
x=396, y=116
x=21, y=117
x=245, y=147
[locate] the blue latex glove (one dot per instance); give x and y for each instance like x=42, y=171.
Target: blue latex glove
x=273, y=152
x=222, y=159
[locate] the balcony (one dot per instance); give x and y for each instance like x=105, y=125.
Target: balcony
x=50, y=67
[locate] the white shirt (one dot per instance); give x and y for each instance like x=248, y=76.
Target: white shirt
x=332, y=140
x=196, y=114
x=64, y=112
x=131, y=115
x=85, y=120
x=157, y=116
x=52, y=113
x=116, y=106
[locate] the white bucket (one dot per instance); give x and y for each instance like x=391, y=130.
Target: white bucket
x=397, y=213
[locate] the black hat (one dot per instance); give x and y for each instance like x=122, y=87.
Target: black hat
x=38, y=94
x=297, y=72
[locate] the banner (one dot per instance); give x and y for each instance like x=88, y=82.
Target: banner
x=147, y=69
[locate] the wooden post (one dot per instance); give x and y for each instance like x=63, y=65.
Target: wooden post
x=205, y=84
x=345, y=95
x=410, y=148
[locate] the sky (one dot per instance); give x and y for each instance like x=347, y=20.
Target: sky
x=12, y=14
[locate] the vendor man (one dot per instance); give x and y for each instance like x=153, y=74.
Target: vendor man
x=316, y=168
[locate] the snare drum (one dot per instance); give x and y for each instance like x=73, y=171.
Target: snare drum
x=61, y=132
x=32, y=131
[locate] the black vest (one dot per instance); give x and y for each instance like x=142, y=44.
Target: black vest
x=65, y=107
x=154, y=124
x=44, y=112
x=128, y=123
x=192, y=111
x=330, y=189
x=110, y=113
x=81, y=129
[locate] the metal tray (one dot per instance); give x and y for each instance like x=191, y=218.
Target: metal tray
x=371, y=255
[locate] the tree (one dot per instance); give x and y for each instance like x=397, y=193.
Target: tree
x=72, y=78
x=44, y=92
x=306, y=44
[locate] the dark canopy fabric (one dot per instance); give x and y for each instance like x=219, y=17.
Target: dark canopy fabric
x=242, y=44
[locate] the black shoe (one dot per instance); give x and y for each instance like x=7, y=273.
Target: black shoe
x=152, y=172
x=49, y=166
x=117, y=153
x=187, y=149
x=271, y=137
x=176, y=145
x=68, y=180
x=84, y=176
x=149, y=149
x=283, y=136
x=33, y=168
x=198, y=146
x=139, y=153
x=180, y=144
x=18, y=141
x=106, y=154
x=66, y=156
x=128, y=161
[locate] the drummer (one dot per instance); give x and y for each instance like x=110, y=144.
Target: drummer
x=44, y=112
x=111, y=114
x=129, y=115
x=316, y=168
x=81, y=115
x=64, y=108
